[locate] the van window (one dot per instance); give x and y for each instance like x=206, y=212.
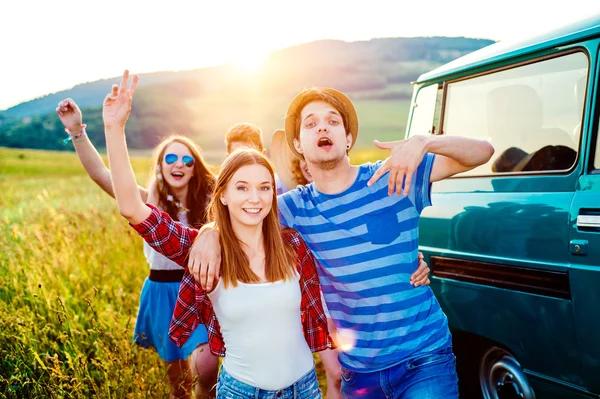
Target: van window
x=424, y=107
x=531, y=114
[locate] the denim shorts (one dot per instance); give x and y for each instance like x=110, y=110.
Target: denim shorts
x=306, y=387
x=428, y=376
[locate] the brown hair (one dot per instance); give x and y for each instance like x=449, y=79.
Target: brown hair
x=235, y=266
x=317, y=94
x=296, y=172
x=244, y=133
x=200, y=186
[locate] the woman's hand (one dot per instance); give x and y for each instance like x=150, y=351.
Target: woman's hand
x=70, y=115
x=117, y=104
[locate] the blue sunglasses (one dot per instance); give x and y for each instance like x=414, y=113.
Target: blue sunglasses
x=186, y=159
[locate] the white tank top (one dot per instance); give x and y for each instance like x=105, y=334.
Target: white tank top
x=158, y=261
x=263, y=333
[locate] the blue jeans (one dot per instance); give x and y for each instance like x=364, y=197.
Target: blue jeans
x=426, y=377
x=306, y=387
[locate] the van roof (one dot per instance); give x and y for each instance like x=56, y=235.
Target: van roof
x=500, y=51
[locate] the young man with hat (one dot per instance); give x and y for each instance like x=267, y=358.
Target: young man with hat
x=394, y=339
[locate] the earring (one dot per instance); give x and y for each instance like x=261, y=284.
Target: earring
x=348, y=146
x=223, y=201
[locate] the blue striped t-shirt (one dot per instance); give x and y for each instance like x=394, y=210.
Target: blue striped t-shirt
x=366, y=243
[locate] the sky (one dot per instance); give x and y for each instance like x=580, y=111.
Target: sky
x=48, y=46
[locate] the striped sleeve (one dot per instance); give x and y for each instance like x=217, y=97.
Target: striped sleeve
x=286, y=217
x=420, y=191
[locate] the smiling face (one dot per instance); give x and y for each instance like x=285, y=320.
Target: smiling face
x=177, y=174
x=249, y=195
x=322, y=140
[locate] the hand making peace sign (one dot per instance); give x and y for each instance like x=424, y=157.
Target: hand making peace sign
x=117, y=104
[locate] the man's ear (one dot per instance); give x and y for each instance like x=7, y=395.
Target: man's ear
x=297, y=146
x=348, y=141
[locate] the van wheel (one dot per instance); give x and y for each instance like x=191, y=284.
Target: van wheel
x=501, y=376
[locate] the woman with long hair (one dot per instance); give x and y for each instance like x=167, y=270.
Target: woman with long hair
x=265, y=314
x=180, y=184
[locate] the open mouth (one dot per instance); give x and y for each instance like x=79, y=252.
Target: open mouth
x=177, y=175
x=324, y=142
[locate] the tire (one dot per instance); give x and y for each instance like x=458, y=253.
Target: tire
x=501, y=376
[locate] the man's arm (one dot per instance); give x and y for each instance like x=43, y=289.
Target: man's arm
x=454, y=155
x=204, y=261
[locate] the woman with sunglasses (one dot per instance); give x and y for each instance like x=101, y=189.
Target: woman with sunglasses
x=180, y=185
x=265, y=315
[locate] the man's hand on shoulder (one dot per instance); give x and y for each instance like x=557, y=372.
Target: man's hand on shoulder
x=205, y=257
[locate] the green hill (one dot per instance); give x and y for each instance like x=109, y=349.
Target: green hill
x=203, y=103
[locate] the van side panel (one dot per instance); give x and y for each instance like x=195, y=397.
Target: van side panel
x=506, y=230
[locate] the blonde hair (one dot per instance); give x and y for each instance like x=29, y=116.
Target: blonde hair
x=235, y=265
x=296, y=172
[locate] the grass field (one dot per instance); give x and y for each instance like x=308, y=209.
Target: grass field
x=71, y=271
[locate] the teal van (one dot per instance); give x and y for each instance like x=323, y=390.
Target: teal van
x=514, y=245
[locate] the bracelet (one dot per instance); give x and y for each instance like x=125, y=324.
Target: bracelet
x=77, y=136
x=80, y=138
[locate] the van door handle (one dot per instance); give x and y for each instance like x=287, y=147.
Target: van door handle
x=588, y=221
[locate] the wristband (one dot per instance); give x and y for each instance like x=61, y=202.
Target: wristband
x=78, y=135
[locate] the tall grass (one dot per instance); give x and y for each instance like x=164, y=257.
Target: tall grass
x=71, y=271
x=70, y=276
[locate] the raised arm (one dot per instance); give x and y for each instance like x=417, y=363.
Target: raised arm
x=115, y=111
x=166, y=236
x=71, y=117
x=457, y=154
x=454, y=155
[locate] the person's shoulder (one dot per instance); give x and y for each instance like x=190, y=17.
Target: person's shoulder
x=369, y=168
x=366, y=171
x=291, y=236
x=301, y=193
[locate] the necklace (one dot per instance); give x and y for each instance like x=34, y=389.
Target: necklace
x=178, y=204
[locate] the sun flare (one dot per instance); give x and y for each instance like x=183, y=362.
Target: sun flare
x=250, y=61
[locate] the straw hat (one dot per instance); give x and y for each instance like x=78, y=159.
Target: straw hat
x=293, y=113
x=282, y=156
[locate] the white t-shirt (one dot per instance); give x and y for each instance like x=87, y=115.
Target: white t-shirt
x=262, y=331
x=158, y=261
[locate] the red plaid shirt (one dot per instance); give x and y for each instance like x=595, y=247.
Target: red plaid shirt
x=193, y=306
